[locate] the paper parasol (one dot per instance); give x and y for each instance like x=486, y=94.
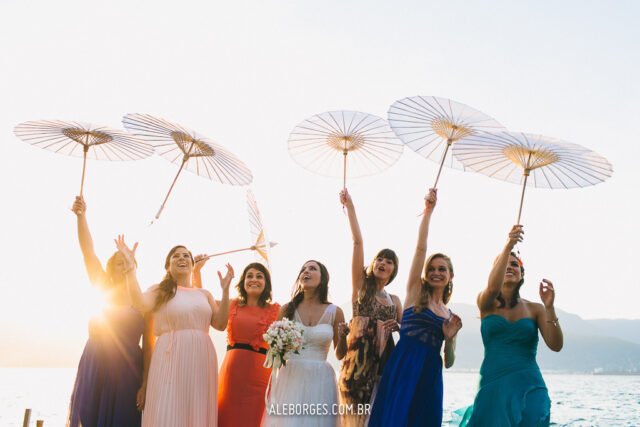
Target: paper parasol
x=83, y=140
x=533, y=160
x=261, y=245
x=323, y=142
x=192, y=151
x=429, y=125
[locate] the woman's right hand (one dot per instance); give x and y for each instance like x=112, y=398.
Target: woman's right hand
x=199, y=261
x=515, y=235
x=345, y=198
x=79, y=206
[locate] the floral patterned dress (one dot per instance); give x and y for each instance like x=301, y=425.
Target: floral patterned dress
x=367, y=352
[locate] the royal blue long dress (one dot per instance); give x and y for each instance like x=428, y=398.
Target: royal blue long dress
x=410, y=391
x=512, y=391
x=110, y=372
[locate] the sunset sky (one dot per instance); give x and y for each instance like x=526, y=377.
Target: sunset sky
x=245, y=73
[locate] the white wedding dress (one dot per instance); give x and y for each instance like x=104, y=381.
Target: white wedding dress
x=305, y=393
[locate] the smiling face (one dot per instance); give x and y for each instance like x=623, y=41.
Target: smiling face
x=254, y=282
x=513, y=274
x=438, y=272
x=179, y=262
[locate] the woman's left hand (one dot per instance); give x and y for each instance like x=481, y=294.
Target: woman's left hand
x=226, y=280
x=391, y=325
x=129, y=254
x=547, y=293
x=451, y=326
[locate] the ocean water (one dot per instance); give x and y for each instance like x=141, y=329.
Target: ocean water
x=578, y=400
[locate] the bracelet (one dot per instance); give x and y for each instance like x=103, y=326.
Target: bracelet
x=554, y=322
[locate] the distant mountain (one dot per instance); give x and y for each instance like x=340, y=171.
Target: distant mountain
x=603, y=345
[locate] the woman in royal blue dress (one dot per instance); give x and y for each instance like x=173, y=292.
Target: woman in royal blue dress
x=512, y=391
x=109, y=389
x=410, y=391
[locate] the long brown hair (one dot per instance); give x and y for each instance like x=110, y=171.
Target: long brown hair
x=298, y=293
x=167, y=287
x=426, y=290
x=265, y=297
x=516, y=293
x=370, y=287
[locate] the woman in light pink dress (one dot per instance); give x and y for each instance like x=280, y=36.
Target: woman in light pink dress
x=182, y=385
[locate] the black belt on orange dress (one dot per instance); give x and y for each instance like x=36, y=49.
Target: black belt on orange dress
x=243, y=346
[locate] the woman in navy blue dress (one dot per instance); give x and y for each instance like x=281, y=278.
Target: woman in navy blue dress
x=109, y=389
x=410, y=391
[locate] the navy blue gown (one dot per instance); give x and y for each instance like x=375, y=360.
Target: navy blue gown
x=110, y=372
x=410, y=391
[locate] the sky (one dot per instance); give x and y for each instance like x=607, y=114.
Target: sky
x=245, y=74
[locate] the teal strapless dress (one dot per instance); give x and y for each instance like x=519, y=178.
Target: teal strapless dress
x=512, y=391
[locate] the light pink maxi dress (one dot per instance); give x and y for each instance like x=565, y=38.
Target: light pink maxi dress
x=183, y=375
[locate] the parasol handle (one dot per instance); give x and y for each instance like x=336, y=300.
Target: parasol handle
x=444, y=156
x=524, y=186
x=84, y=167
x=250, y=248
x=344, y=169
x=184, y=161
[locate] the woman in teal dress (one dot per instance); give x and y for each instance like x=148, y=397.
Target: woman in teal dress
x=410, y=391
x=512, y=391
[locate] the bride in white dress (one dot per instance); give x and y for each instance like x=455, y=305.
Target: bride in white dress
x=305, y=393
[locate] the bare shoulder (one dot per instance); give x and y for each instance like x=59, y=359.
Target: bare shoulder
x=534, y=308
x=205, y=292
x=395, y=298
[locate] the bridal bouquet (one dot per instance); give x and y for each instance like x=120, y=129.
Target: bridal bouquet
x=283, y=337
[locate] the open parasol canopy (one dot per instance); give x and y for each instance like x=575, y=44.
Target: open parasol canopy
x=429, y=125
x=189, y=149
x=533, y=160
x=84, y=140
x=326, y=142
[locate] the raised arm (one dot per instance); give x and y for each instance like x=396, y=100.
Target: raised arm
x=196, y=276
x=357, y=259
x=96, y=273
x=414, y=282
x=339, y=335
x=496, y=277
x=547, y=318
x=221, y=310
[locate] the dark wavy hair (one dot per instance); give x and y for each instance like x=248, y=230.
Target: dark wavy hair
x=370, y=287
x=265, y=297
x=298, y=293
x=426, y=290
x=516, y=293
x=167, y=287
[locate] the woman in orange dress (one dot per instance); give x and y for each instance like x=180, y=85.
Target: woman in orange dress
x=243, y=378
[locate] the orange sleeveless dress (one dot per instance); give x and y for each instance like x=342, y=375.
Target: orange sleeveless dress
x=243, y=380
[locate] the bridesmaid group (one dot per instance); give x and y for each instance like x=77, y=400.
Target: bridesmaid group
x=172, y=378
